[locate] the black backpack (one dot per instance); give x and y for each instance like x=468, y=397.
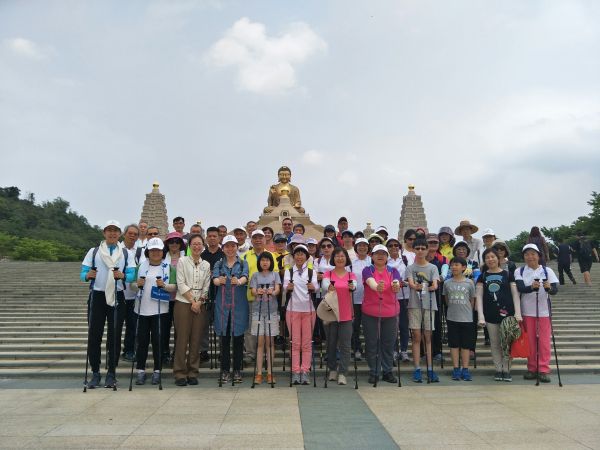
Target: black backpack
x=289, y=294
x=585, y=249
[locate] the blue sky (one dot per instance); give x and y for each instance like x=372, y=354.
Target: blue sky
x=492, y=109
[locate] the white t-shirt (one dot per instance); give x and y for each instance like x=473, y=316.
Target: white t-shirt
x=399, y=265
x=358, y=266
x=322, y=265
x=141, y=243
x=102, y=270
x=129, y=292
x=300, y=300
x=149, y=306
x=528, y=300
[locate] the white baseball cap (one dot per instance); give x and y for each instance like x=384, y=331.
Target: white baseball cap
x=380, y=248
x=488, y=232
x=311, y=241
x=112, y=223
x=155, y=243
x=258, y=232
x=531, y=247
x=361, y=241
x=229, y=238
x=381, y=228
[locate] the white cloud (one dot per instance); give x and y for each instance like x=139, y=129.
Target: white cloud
x=312, y=157
x=25, y=48
x=265, y=64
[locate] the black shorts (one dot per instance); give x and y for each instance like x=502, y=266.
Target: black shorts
x=461, y=334
x=585, y=265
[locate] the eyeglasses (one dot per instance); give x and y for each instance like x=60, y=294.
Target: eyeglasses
x=420, y=248
x=151, y=234
x=326, y=246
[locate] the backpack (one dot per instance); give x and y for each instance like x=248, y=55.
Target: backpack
x=543, y=267
x=288, y=294
x=585, y=249
x=138, y=255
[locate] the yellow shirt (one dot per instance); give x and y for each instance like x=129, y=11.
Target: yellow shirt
x=252, y=259
x=446, y=250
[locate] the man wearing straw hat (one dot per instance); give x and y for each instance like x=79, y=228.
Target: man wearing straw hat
x=466, y=229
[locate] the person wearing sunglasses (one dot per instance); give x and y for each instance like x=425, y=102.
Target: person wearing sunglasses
x=399, y=262
x=409, y=238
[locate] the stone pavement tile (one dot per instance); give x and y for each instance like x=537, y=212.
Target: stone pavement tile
x=444, y=447
x=420, y=424
x=435, y=438
x=13, y=442
x=503, y=423
x=29, y=425
x=328, y=440
x=202, y=426
x=286, y=406
x=56, y=404
x=170, y=442
x=184, y=419
x=137, y=416
x=592, y=406
x=284, y=440
x=542, y=438
x=264, y=424
x=76, y=429
x=589, y=436
x=78, y=442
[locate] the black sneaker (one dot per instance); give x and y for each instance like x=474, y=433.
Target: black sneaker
x=129, y=356
x=530, y=375
x=225, y=377
x=95, y=381
x=204, y=357
x=192, y=381
x=373, y=379
x=141, y=378
x=507, y=377
x=110, y=380
x=389, y=377
x=181, y=382
x=498, y=376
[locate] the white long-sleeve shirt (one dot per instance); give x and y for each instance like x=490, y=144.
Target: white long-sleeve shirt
x=300, y=300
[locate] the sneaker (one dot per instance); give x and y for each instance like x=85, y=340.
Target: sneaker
x=404, y=356
x=95, y=381
x=156, y=379
x=395, y=357
x=181, y=382
x=296, y=379
x=129, y=356
x=258, y=379
x=237, y=376
x=466, y=375
x=529, y=375
x=373, y=379
x=417, y=377
x=507, y=377
x=332, y=375
x=433, y=378
x=389, y=377
x=437, y=357
x=270, y=379
x=192, y=381
x=225, y=377
x=204, y=357
x=456, y=374
x=341, y=379
x=110, y=381
x=304, y=378
x=141, y=378
x=544, y=378
x=498, y=376
x=358, y=355
x=487, y=342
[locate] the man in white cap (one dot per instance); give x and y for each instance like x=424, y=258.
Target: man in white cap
x=107, y=268
x=240, y=235
x=488, y=237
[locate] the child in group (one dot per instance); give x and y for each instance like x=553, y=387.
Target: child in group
x=265, y=286
x=459, y=293
x=300, y=282
x=423, y=280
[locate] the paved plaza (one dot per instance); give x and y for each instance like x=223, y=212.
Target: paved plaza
x=482, y=414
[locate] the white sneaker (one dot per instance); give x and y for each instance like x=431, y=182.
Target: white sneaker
x=332, y=376
x=404, y=356
x=341, y=379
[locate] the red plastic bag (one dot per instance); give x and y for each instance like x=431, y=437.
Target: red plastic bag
x=520, y=347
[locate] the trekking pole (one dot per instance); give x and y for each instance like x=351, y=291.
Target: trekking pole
x=378, y=340
x=312, y=342
x=553, y=340
x=398, y=333
x=537, y=337
x=87, y=350
x=423, y=340
x=259, y=300
x=135, y=342
x=160, y=359
x=430, y=351
x=328, y=355
x=114, y=355
x=271, y=347
x=232, y=361
x=321, y=327
x=291, y=329
x=353, y=353
x=221, y=337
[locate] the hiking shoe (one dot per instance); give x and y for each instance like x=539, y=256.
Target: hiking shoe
x=437, y=357
x=341, y=379
x=529, y=375
x=225, y=377
x=270, y=379
x=417, y=377
x=296, y=379
x=332, y=375
x=192, y=381
x=433, y=378
x=140, y=379
x=498, y=376
x=304, y=378
x=181, y=382
x=544, y=378
x=358, y=355
x=389, y=377
x=456, y=374
x=258, y=379
x=404, y=356
x=506, y=376
x=373, y=379
x=95, y=381
x=156, y=378
x=204, y=357
x=237, y=376
x=110, y=380
x=396, y=356
x=466, y=375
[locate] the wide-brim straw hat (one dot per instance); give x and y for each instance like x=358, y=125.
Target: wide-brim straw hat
x=466, y=224
x=328, y=310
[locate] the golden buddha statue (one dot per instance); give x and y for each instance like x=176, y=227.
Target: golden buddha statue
x=284, y=189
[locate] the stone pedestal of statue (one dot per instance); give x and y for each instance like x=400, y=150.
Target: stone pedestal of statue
x=285, y=209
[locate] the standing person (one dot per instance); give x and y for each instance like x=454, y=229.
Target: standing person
x=503, y=254
x=447, y=241
x=222, y=232
x=269, y=244
x=329, y=232
x=535, y=282
x=142, y=238
x=488, y=238
x=380, y=310
x=243, y=245
x=105, y=267
x=299, y=282
x=361, y=247
x=265, y=285
x=299, y=229
x=535, y=237
x=374, y=240
x=423, y=280
x=230, y=274
x=287, y=226
x=497, y=298
x=130, y=237
x=348, y=244
x=179, y=226
x=342, y=226
x=459, y=293
x=191, y=315
x=339, y=333
x=279, y=255
x=565, y=258
x=466, y=229
x=322, y=265
x=585, y=251
x=408, y=251
x=311, y=245
x=399, y=262
x=175, y=247
x=211, y=254
x=435, y=257
x=472, y=271
x=383, y=232
x=156, y=285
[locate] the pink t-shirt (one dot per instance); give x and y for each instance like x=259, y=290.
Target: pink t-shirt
x=343, y=293
x=390, y=307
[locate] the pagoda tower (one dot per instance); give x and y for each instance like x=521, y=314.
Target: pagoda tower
x=154, y=211
x=412, y=214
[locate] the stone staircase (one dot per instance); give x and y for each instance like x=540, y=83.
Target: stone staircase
x=43, y=325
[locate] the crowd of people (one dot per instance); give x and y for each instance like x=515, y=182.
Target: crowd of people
x=360, y=296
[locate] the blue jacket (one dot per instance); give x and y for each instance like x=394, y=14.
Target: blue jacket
x=231, y=301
